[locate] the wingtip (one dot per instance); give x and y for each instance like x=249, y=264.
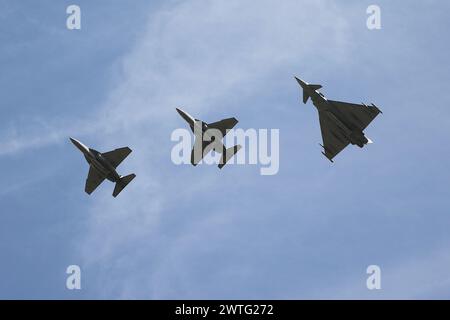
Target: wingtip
x=331, y=160
x=373, y=105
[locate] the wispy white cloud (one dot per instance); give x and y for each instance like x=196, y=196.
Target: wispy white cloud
x=195, y=54
x=184, y=232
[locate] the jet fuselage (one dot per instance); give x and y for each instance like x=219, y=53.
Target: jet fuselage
x=327, y=109
x=96, y=160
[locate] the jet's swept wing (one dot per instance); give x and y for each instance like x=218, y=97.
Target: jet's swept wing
x=359, y=114
x=206, y=146
x=116, y=157
x=333, y=140
x=223, y=125
x=93, y=180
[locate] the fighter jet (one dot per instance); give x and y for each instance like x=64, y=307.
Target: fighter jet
x=103, y=166
x=205, y=138
x=341, y=123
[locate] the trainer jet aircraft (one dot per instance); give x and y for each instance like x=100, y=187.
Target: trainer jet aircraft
x=205, y=138
x=103, y=166
x=341, y=123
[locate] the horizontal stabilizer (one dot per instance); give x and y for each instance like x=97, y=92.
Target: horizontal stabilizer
x=122, y=183
x=228, y=154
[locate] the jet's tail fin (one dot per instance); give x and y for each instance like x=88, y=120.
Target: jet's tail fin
x=122, y=183
x=228, y=154
x=313, y=87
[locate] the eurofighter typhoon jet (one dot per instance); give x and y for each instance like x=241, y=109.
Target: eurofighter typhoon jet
x=205, y=138
x=341, y=123
x=103, y=166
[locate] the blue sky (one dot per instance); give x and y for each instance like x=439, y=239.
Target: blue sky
x=180, y=232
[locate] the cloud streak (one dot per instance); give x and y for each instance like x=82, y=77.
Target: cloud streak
x=195, y=54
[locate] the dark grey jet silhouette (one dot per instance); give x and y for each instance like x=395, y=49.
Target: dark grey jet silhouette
x=103, y=166
x=205, y=138
x=341, y=123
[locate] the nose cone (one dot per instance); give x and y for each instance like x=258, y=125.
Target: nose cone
x=181, y=112
x=301, y=82
x=79, y=145
x=185, y=116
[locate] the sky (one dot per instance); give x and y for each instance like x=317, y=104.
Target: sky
x=184, y=232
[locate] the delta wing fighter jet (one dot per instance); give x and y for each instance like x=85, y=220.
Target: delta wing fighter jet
x=341, y=123
x=205, y=138
x=103, y=166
